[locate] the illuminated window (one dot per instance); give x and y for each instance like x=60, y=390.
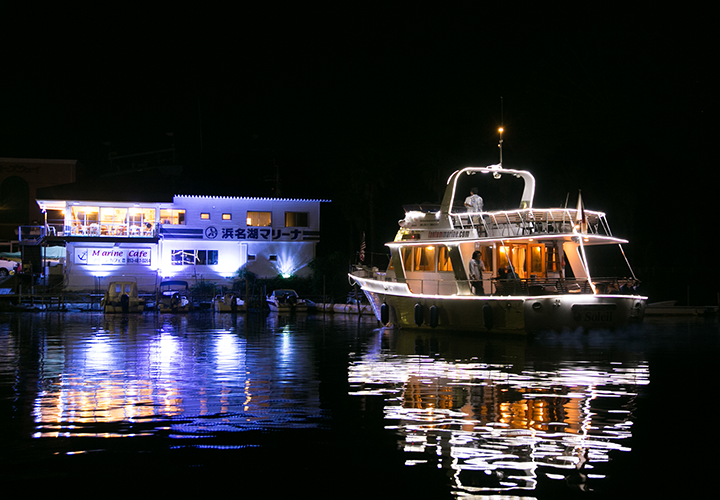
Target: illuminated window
x=194, y=257
x=227, y=216
x=486, y=257
x=444, y=264
x=407, y=258
x=551, y=256
x=138, y=216
x=424, y=258
x=205, y=216
x=259, y=219
x=296, y=219
x=83, y=218
x=536, y=259
x=175, y=217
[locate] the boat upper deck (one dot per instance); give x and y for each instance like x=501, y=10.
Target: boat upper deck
x=428, y=224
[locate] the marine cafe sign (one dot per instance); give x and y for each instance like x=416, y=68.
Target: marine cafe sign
x=112, y=256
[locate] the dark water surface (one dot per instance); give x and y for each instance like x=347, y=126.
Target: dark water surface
x=335, y=407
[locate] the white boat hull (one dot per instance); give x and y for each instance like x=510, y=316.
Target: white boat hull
x=394, y=305
x=283, y=308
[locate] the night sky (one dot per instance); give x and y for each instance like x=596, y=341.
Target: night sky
x=374, y=107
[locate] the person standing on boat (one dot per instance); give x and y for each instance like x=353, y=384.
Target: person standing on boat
x=477, y=266
x=474, y=203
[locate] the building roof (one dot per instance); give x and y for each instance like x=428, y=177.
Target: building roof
x=155, y=185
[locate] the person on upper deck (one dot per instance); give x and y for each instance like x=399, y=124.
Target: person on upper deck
x=474, y=203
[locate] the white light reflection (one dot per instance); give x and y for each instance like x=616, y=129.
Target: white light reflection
x=488, y=419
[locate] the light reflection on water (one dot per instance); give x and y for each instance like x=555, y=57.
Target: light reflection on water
x=192, y=381
x=311, y=401
x=493, y=417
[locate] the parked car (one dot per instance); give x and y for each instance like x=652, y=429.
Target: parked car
x=7, y=266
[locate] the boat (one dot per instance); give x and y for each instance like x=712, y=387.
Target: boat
x=286, y=300
x=173, y=297
x=526, y=286
x=670, y=308
x=122, y=297
x=228, y=302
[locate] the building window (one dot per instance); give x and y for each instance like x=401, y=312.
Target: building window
x=227, y=216
x=259, y=219
x=84, y=220
x=296, y=219
x=175, y=217
x=205, y=216
x=194, y=257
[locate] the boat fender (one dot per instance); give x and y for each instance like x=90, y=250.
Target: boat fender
x=433, y=316
x=418, y=314
x=384, y=313
x=488, y=316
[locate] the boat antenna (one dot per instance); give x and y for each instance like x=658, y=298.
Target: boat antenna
x=501, y=129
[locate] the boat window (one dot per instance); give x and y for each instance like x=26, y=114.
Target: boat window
x=296, y=219
x=444, y=263
x=205, y=216
x=262, y=219
x=486, y=256
x=551, y=257
x=407, y=258
x=509, y=254
x=227, y=216
x=536, y=259
x=175, y=217
x=425, y=258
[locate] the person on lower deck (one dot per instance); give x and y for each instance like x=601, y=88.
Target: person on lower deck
x=476, y=268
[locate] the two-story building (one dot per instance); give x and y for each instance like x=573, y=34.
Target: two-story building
x=189, y=238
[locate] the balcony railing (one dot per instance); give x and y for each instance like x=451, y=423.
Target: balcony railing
x=111, y=230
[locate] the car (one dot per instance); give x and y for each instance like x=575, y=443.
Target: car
x=6, y=267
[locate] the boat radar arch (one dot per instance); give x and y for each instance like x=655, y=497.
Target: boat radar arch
x=497, y=172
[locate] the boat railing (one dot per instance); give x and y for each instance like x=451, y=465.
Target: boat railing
x=529, y=221
x=532, y=286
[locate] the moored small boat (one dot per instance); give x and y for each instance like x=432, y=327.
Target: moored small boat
x=173, y=297
x=228, y=302
x=122, y=297
x=286, y=300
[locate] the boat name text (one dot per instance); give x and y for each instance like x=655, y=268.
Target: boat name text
x=449, y=234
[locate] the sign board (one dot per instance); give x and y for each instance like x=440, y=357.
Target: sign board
x=112, y=256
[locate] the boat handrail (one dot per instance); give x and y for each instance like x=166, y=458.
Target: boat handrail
x=529, y=221
x=523, y=286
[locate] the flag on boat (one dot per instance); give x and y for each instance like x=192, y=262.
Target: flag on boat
x=362, y=249
x=581, y=219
